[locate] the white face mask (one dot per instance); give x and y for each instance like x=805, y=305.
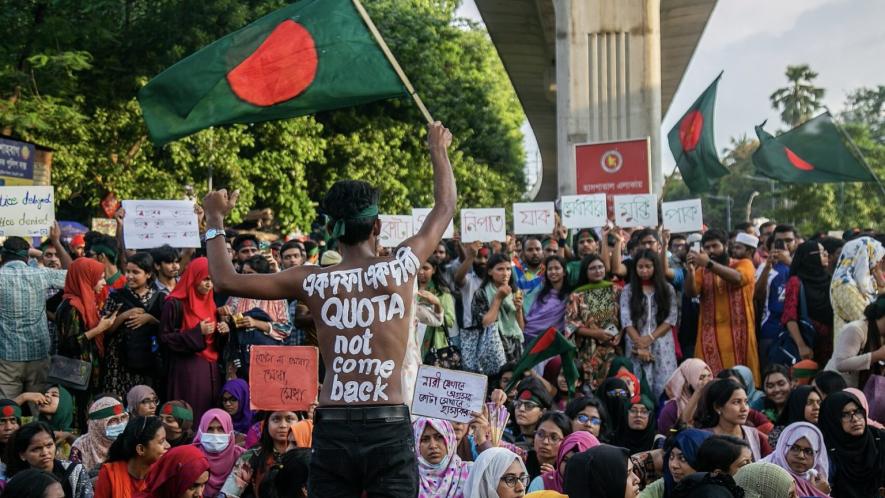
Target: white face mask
x=114, y=431
x=214, y=443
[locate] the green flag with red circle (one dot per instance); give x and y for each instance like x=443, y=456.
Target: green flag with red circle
x=547, y=345
x=310, y=56
x=692, y=144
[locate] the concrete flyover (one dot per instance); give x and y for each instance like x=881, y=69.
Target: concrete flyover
x=594, y=71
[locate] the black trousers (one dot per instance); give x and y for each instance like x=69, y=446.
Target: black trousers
x=356, y=450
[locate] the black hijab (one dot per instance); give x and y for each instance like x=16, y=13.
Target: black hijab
x=638, y=440
x=616, y=406
x=794, y=411
x=600, y=472
x=858, y=462
x=815, y=279
x=706, y=485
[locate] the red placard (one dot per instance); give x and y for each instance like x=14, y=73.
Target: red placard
x=283, y=377
x=614, y=168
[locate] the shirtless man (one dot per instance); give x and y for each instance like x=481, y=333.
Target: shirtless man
x=363, y=309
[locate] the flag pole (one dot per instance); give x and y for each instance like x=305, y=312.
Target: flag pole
x=856, y=152
x=393, y=62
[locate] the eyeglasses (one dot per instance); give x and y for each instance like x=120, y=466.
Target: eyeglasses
x=585, y=418
x=858, y=413
x=526, y=405
x=150, y=401
x=511, y=479
x=639, y=412
x=552, y=437
x=228, y=401
x=618, y=393
x=798, y=450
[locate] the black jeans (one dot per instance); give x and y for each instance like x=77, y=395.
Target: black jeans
x=369, y=449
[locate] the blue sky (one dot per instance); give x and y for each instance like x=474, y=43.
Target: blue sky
x=753, y=41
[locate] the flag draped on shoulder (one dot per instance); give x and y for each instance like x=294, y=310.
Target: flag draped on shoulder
x=310, y=56
x=816, y=151
x=692, y=144
x=547, y=345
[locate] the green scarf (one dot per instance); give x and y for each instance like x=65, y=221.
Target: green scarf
x=338, y=228
x=593, y=286
x=507, y=324
x=63, y=418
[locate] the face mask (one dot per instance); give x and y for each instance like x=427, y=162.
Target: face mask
x=214, y=443
x=113, y=431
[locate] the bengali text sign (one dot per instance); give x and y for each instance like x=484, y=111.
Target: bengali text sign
x=584, y=211
x=283, y=377
x=16, y=160
x=395, y=229
x=26, y=211
x=418, y=217
x=636, y=210
x=448, y=394
x=533, y=218
x=484, y=225
x=683, y=216
x=153, y=223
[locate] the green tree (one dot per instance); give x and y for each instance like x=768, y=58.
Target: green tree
x=798, y=101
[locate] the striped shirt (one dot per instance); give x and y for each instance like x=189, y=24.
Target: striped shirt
x=24, y=334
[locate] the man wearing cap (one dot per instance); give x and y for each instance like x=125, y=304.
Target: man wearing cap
x=771, y=286
x=24, y=333
x=744, y=246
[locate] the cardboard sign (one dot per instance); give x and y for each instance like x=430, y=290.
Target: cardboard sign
x=107, y=226
x=533, y=218
x=636, y=210
x=484, y=225
x=395, y=229
x=283, y=377
x=448, y=394
x=683, y=216
x=418, y=217
x=584, y=211
x=150, y=224
x=26, y=211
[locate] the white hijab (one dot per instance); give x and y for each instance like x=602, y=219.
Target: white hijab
x=487, y=471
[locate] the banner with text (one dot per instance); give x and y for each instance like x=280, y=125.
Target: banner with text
x=418, y=217
x=683, y=216
x=395, y=229
x=26, y=211
x=448, y=394
x=484, y=225
x=533, y=218
x=152, y=223
x=636, y=210
x=613, y=168
x=283, y=377
x=16, y=162
x=584, y=211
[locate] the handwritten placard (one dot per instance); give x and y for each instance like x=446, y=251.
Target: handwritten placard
x=636, y=210
x=584, y=211
x=448, y=394
x=150, y=224
x=683, y=216
x=484, y=225
x=533, y=218
x=283, y=377
x=420, y=214
x=395, y=229
x=26, y=211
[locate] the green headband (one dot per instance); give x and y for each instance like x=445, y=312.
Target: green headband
x=338, y=229
x=107, y=412
x=23, y=254
x=176, y=411
x=103, y=249
x=10, y=408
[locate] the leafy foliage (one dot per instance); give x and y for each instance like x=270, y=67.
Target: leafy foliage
x=798, y=101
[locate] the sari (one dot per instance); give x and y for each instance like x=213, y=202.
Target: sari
x=593, y=304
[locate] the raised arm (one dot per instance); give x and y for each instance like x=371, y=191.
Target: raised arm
x=444, y=194
x=55, y=240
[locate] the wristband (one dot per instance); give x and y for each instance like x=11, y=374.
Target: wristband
x=709, y=264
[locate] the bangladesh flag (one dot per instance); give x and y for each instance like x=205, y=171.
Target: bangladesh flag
x=816, y=151
x=547, y=345
x=311, y=56
x=692, y=145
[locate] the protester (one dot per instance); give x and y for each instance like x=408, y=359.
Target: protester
x=249, y=472
x=801, y=451
x=588, y=414
x=496, y=305
x=776, y=385
x=860, y=348
x=683, y=389
x=586, y=243
x=708, y=485
x=235, y=401
x=680, y=460
x=802, y=372
x=863, y=402
x=803, y=405
x=725, y=412
x=553, y=428
x=178, y=420
x=640, y=433
x=615, y=396
x=497, y=473
x=103, y=248
x=827, y=382
x=529, y=268
x=723, y=455
x=809, y=278
x=33, y=483
x=216, y=439
x=765, y=480
x=181, y=473
x=167, y=265
x=107, y=420
x=770, y=288
x=532, y=400
x=142, y=401
x=441, y=473
x=547, y=306
x=10, y=421
x=553, y=480
x=34, y=447
x=857, y=280
x=292, y=475
x=130, y=458
x=59, y=412
x=469, y=277
x=434, y=290
x=601, y=472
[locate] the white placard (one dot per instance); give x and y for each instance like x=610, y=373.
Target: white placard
x=584, y=211
x=683, y=216
x=418, y=217
x=152, y=223
x=448, y=394
x=26, y=211
x=395, y=229
x=636, y=210
x=484, y=225
x=533, y=218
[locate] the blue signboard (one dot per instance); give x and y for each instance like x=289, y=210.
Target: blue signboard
x=16, y=159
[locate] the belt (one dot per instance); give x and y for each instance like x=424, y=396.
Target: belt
x=357, y=413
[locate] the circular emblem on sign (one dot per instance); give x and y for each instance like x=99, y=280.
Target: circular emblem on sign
x=611, y=161
x=25, y=153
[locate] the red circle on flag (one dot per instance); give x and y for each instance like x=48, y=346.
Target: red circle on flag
x=797, y=161
x=690, y=130
x=544, y=342
x=280, y=69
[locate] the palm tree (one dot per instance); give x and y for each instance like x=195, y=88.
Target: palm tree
x=800, y=99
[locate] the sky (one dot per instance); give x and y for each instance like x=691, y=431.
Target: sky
x=754, y=41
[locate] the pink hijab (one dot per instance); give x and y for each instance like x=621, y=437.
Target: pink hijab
x=220, y=464
x=577, y=442
x=445, y=479
x=786, y=440
x=685, y=375
x=865, y=404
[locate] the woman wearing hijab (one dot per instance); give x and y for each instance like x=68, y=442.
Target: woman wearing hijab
x=856, y=450
x=765, y=480
x=749, y=382
x=191, y=334
x=808, y=272
x=107, y=420
x=141, y=401
x=178, y=419
x=497, y=473
x=215, y=438
x=577, y=442
x=801, y=451
x=182, y=471
x=708, y=485
x=130, y=458
x=441, y=473
x=803, y=405
x=235, y=401
x=859, y=349
x=615, y=395
x=601, y=472
x=640, y=433
x=59, y=413
x=680, y=460
x=683, y=389
x=865, y=404
x=857, y=280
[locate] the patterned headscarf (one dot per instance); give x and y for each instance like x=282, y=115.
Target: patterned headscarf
x=94, y=445
x=445, y=479
x=859, y=257
x=786, y=440
x=763, y=479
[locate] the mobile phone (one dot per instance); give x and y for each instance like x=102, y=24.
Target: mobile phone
x=780, y=244
x=114, y=310
x=696, y=247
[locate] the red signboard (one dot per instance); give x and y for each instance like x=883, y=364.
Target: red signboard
x=614, y=168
